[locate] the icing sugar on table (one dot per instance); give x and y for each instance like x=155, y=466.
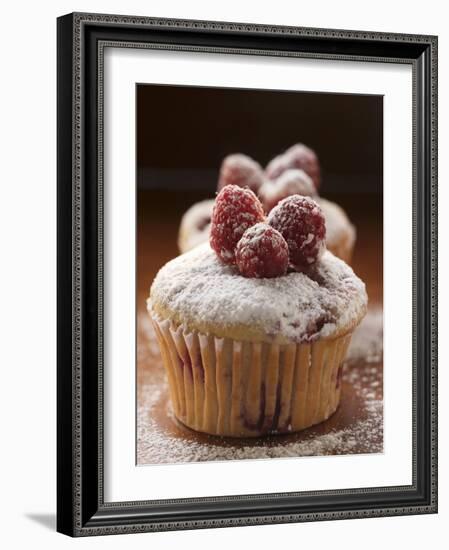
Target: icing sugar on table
x=356, y=427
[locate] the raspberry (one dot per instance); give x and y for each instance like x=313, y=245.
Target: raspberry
x=262, y=252
x=290, y=182
x=240, y=170
x=235, y=210
x=298, y=156
x=301, y=222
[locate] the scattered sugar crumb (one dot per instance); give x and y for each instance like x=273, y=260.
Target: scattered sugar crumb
x=367, y=340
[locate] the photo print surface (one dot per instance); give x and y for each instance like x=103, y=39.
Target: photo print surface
x=267, y=342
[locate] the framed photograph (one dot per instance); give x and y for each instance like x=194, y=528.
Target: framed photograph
x=247, y=276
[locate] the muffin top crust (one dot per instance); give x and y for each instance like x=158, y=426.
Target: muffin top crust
x=199, y=292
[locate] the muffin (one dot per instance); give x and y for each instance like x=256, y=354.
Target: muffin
x=297, y=170
x=195, y=225
x=297, y=156
x=241, y=170
x=253, y=328
x=340, y=232
x=247, y=357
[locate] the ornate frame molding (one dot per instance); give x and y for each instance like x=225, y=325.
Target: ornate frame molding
x=81, y=41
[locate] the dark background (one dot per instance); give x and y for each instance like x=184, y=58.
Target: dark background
x=184, y=132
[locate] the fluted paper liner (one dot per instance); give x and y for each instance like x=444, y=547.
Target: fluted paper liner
x=226, y=387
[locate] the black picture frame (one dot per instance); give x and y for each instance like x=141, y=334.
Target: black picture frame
x=81, y=509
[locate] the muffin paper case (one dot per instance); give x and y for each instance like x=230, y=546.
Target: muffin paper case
x=247, y=389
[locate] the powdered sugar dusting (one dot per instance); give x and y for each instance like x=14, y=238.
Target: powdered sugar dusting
x=338, y=226
x=241, y=170
x=262, y=252
x=195, y=225
x=295, y=307
x=301, y=222
x=367, y=340
x=297, y=156
x=290, y=182
x=234, y=211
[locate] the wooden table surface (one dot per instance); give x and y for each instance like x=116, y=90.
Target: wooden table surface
x=356, y=427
